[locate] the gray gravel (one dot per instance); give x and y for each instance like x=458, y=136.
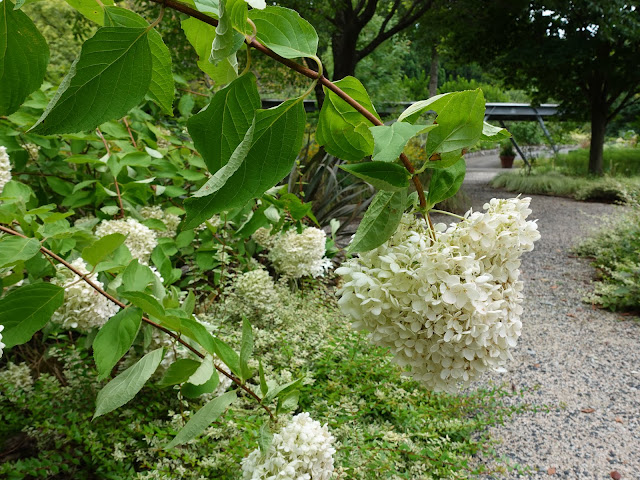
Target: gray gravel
x=581, y=363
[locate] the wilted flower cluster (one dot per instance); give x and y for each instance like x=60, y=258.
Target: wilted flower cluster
x=303, y=450
x=170, y=220
x=5, y=168
x=141, y=240
x=83, y=308
x=296, y=255
x=448, y=308
x=161, y=141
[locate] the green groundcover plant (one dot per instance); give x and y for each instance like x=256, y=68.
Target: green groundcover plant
x=119, y=233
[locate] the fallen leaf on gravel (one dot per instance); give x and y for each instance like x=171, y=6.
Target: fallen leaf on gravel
x=619, y=420
x=551, y=471
x=554, y=287
x=588, y=410
x=571, y=315
x=615, y=475
x=536, y=365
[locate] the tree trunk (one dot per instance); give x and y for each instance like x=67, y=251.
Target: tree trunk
x=598, y=128
x=433, y=72
x=344, y=47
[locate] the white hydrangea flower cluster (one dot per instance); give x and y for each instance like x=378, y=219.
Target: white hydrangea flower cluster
x=141, y=240
x=170, y=220
x=17, y=375
x=83, y=308
x=296, y=255
x=262, y=236
x=32, y=149
x=2, y=345
x=215, y=221
x=161, y=141
x=5, y=167
x=303, y=450
x=449, y=308
x=254, y=291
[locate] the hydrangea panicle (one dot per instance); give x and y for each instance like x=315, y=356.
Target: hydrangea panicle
x=450, y=308
x=5, y=168
x=83, y=308
x=170, y=220
x=141, y=240
x=296, y=255
x=302, y=450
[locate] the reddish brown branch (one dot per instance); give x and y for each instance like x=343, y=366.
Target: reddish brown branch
x=175, y=336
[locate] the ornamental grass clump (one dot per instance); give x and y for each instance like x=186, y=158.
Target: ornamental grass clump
x=5, y=168
x=303, y=450
x=141, y=240
x=296, y=255
x=446, y=303
x=83, y=308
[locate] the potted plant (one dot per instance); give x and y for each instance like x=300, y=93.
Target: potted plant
x=507, y=154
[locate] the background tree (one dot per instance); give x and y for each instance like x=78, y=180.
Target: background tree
x=583, y=54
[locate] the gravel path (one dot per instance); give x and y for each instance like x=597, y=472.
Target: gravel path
x=581, y=363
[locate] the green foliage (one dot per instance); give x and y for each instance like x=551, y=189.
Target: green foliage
x=285, y=32
x=382, y=175
x=445, y=182
x=115, y=339
x=615, y=252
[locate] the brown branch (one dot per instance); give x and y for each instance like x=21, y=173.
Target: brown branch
x=192, y=92
x=175, y=336
x=133, y=140
x=307, y=72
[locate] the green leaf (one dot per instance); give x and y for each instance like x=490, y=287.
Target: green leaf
x=288, y=402
x=95, y=90
x=264, y=388
x=283, y=389
x=125, y=386
x=492, y=133
x=115, y=338
x=26, y=310
x=379, y=222
x=390, y=140
x=246, y=350
x=194, y=391
x=203, y=372
x=265, y=437
x=102, y=248
x=445, y=182
x=92, y=9
x=227, y=355
x=277, y=140
x=285, y=32
x=161, y=88
x=16, y=249
x=179, y=372
x=218, y=130
x=24, y=56
x=136, y=277
x=208, y=6
x=460, y=120
x=227, y=41
x=201, y=36
x=342, y=130
x=203, y=418
x=382, y=175
x=146, y=302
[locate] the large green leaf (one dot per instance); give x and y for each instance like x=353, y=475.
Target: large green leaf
x=380, y=221
x=493, y=133
x=109, y=78
x=179, y=372
x=382, y=175
x=201, y=36
x=203, y=373
x=285, y=32
x=136, y=277
x=277, y=140
x=460, y=120
x=342, y=130
x=161, y=88
x=220, y=128
x=146, y=302
x=445, y=182
x=115, y=338
x=227, y=41
x=125, y=386
x=26, y=310
x=16, y=249
x=102, y=248
x=203, y=418
x=24, y=56
x=92, y=9
x=390, y=140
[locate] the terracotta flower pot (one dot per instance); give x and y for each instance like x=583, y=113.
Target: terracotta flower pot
x=507, y=161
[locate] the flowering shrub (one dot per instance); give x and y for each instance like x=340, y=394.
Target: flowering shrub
x=296, y=255
x=84, y=308
x=253, y=293
x=170, y=220
x=448, y=307
x=141, y=240
x=303, y=450
x=5, y=168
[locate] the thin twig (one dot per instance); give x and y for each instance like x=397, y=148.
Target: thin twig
x=133, y=140
x=175, y=336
